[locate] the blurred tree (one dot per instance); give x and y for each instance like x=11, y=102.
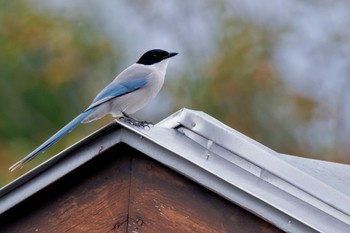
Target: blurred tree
x=241, y=88
x=286, y=71
x=48, y=68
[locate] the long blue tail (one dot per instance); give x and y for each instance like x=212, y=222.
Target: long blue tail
x=52, y=140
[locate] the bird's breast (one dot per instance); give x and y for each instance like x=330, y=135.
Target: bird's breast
x=134, y=101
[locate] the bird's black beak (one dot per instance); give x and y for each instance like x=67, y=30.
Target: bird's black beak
x=171, y=55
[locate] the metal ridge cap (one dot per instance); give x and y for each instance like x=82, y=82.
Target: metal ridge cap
x=258, y=154
x=190, y=160
x=172, y=120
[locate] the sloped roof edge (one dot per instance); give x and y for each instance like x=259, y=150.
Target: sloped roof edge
x=258, y=154
x=219, y=158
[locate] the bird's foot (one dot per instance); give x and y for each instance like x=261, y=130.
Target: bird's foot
x=142, y=124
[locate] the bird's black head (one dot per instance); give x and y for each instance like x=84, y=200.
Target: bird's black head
x=154, y=56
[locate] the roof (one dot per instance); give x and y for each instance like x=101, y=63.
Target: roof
x=295, y=194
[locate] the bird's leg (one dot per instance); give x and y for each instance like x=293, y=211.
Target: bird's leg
x=130, y=120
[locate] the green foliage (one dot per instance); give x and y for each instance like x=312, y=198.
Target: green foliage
x=47, y=68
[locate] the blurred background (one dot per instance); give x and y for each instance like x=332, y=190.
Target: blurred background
x=277, y=71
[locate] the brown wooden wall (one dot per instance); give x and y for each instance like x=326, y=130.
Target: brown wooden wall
x=125, y=191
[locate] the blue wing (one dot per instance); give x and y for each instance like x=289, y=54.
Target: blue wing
x=114, y=90
x=110, y=92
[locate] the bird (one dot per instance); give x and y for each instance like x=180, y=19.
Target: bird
x=129, y=92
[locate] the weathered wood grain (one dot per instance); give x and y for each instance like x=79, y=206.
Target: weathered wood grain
x=162, y=200
x=94, y=198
